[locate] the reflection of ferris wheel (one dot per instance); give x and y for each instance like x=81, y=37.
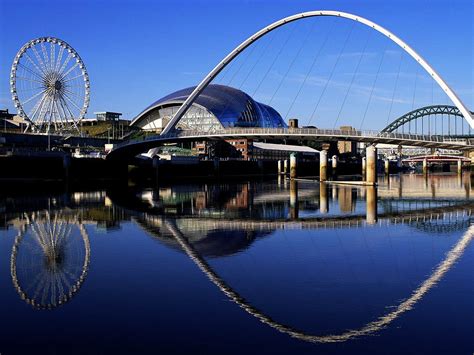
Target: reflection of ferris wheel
x=50, y=85
x=50, y=259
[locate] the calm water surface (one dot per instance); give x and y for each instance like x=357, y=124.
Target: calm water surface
x=272, y=267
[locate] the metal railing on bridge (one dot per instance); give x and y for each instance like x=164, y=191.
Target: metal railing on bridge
x=310, y=132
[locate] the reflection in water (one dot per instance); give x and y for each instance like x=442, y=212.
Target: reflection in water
x=371, y=201
x=50, y=258
x=51, y=253
x=451, y=258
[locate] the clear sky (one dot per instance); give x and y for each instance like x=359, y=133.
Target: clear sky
x=138, y=51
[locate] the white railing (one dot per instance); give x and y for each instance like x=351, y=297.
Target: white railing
x=338, y=133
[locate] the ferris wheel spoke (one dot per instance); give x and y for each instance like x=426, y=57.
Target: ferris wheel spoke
x=28, y=79
x=42, y=112
x=67, y=107
x=31, y=71
x=72, y=93
x=35, y=65
x=72, y=102
x=68, y=58
x=61, y=104
x=51, y=118
x=64, y=113
x=34, y=96
x=36, y=107
x=76, y=77
x=69, y=70
x=52, y=54
x=65, y=281
x=59, y=113
x=45, y=55
x=59, y=58
x=40, y=61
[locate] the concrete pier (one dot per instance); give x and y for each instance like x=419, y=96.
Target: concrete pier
x=323, y=165
x=293, y=172
x=364, y=166
x=425, y=166
x=371, y=205
x=280, y=167
x=459, y=166
x=334, y=164
x=387, y=166
x=371, y=168
x=285, y=166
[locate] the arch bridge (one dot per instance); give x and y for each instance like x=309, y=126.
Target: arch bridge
x=388, y=136
x=425, y=119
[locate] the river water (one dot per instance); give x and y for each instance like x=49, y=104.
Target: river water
x=266, y=267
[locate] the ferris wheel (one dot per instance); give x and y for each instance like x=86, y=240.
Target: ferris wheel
x=50, y=259
x=50, y=85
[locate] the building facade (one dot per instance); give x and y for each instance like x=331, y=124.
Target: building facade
x=217, y=107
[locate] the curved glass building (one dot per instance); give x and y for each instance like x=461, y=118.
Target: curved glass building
x=217, y=107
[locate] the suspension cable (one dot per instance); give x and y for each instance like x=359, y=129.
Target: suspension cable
x=303, y=43
x=352, y=79
x=395, y=88
x=332, y=72
x=311, y=68
x=373, y=87
x=413, y=100
x=273, y=36
x=274, y=61
x=242, y=64
x=226, y=107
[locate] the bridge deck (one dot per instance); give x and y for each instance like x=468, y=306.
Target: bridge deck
x=137, y=146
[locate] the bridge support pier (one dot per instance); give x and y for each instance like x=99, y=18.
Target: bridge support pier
x=293, y=166
x=459, y=166
x=285, y=166
x=323, y=165
x=280, y=167
x=364, y=166
x=334, y=164
x=371, y=205
x=371, y=169
x=425, y=166
x=387, y=166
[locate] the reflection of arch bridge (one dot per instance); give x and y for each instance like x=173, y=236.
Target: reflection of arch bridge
x=451, y=258
x=169, y=134
x=450, y=214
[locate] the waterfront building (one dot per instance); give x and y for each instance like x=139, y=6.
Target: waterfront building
x=347, y=146
x=218, y=107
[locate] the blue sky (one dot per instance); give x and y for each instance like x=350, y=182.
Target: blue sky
x=138, y=51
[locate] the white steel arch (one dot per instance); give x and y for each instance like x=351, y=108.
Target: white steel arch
x=214, y=72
